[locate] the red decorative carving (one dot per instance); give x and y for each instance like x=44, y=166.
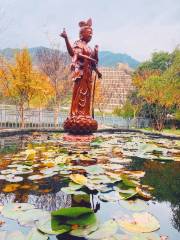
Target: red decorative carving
x=84, y=61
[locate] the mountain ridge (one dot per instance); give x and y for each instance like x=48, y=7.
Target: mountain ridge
x=106, y=58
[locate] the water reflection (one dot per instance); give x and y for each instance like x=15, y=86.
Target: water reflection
x=47, y=202
x=165, y=179
x=46, y=193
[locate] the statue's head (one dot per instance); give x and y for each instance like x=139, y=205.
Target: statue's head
x=86, y=32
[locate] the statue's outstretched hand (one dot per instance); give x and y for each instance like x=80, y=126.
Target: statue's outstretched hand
x=63, y=34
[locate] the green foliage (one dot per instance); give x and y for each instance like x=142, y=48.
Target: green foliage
x=126, y=111
x=177, y=115
x=158, y=84
x=159, y=61
x=72, y=212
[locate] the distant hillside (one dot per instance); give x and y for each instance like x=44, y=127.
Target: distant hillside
x=106, y=58
x=109, y=59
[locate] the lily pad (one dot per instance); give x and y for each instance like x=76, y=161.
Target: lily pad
x=137, y=205
x=139, y=223
x=13, y=178
x=72, y=212
x=94, y=169
x=78, y=178
x=45, y=226
x=84, y=231
x=35, y=177
x=83, y=220
x=34, y=234
x=106, y=230
x=15, y=235
x=69, y=190
x=127, y=194
x=145, y=236
x=14, y=210
x=27, y=218
x=3, y=235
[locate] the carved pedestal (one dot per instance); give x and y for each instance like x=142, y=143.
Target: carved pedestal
x=80, y=124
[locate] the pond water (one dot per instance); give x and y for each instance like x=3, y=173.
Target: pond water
x=117, y=175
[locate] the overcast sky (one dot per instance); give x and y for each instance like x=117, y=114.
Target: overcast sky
x=135, y=27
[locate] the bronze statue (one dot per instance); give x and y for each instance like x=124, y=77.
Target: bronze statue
x=84, y=61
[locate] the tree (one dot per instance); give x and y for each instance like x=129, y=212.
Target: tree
x=159, y=86
x=55, y=65
x=160, y=61
x=21, y=83
x=102, y=96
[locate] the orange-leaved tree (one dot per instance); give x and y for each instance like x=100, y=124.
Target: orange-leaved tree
x=23, y=84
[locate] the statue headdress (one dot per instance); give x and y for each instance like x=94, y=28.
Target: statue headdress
x=84, y=24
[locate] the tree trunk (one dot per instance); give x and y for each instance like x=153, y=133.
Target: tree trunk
x=21, y=110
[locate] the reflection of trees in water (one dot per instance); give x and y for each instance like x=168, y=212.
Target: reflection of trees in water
x=165, y=178
x=176, y=217
x=49, y=201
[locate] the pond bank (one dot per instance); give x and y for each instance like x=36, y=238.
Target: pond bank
x=11, y=132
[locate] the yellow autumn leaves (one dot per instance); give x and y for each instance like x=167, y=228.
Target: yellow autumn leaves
x=79, y=179
x=23, y=84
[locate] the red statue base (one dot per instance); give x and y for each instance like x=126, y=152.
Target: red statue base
x=80, y=124
x=78, y=138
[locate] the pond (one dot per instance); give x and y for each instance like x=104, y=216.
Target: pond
x=114, y=186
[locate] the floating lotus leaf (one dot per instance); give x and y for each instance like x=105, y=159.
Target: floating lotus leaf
x=117, y=151
x=145, y=236
x=34, y=234
x=28, y=217
x=8, y=171
x=65, y=172
x=120, y=161
x=94, y=169
x=136, y=174
x=35, y=177
x=14, y=210
x=17, y=235
x=139, y=223
x=30, y=154
x=114, y=176
x=23, y=172
x=75, y=186
x=69, y=190
x=134, y=205
x=45, y=226
x=106, y=230
x=114, y=167
x=72, y=212
x=118, y=237
x=143, y=193
x=2, y=177
x=127, y=194
x=78, y=178
x=3, y=235
x=13, y=178
x=84, y=231
x=81, y=198
x=108, y=198
x=83, y=220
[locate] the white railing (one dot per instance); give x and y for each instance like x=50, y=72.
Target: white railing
x=10, y=118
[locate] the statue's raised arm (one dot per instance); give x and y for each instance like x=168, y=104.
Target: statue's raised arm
x=68, y=45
